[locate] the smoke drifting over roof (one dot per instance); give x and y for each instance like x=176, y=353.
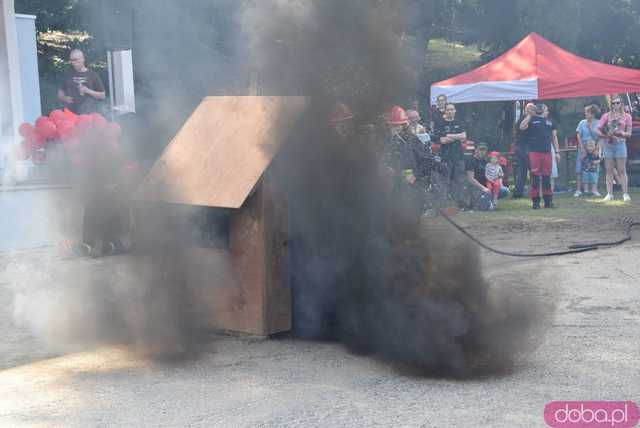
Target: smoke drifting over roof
x=364, y=271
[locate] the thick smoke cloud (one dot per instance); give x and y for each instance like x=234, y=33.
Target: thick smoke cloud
x=365, y=271
x=148, y=300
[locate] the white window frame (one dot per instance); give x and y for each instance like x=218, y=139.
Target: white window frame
x=122, y=89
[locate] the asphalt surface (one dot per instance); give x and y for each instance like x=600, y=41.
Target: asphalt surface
x=590, y=351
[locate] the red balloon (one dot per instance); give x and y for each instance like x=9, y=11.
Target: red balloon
x=57, y=116
x=82, y=128
x=84, y=118
x=46, y=128
x=83, y=124
x=113, y=131
x=26, y=130
x=36, y=140
x=70, y=115
x=39, y=157
x=65, y=129
x=98, y=120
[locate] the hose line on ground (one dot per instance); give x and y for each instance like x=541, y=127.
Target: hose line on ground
x=573, y=249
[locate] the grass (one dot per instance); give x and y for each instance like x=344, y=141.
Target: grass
x=445, y=54
x=567, y=208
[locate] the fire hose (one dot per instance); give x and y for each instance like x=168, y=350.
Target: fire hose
x=628, y=223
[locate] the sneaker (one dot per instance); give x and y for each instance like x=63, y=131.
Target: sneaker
x=608, y=198
x=626, y=197
x=577, y=194
x=596, y=193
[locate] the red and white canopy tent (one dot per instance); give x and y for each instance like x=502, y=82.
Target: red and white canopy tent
x=537, y=69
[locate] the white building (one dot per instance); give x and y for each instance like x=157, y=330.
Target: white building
x=19, y=80
x=11, y=110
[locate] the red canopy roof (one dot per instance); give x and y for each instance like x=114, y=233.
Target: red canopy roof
x=537, y=68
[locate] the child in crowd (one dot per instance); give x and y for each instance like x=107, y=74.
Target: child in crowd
x=493, y=173
x=590, y=162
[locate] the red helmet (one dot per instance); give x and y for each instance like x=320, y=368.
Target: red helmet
x=494, y=155
x=340, y=113
x=397, y=116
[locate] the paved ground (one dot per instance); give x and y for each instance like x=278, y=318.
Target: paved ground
x=590, y=352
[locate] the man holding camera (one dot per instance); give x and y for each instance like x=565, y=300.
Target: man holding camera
x=538, y=133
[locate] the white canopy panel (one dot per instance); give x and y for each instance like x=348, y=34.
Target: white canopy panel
x=508, y=90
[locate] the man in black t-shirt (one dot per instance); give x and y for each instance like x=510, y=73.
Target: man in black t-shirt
x=437, y=111
x=476, y=178
x=81, y=88
x=538, y=132
x=522, y=158
x=451, y=133
x=475, y=168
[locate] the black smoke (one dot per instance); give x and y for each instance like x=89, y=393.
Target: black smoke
x=366, y=270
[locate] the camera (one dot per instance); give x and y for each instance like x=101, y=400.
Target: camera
x=539, y=108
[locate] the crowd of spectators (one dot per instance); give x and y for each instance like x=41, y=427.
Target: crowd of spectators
x=475, y=178
x=436, y=156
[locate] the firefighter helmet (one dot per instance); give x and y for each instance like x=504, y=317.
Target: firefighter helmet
x=340, y=113
x=397, y=116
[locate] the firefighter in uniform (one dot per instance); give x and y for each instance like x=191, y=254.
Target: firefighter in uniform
x=332, y=186
x=407, y=162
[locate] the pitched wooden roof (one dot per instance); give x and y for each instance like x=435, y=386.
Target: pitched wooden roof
x=222, y=150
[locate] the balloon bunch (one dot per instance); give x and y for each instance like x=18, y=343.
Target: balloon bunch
x=66, y=127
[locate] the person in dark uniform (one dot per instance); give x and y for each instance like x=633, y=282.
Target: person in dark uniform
x=437, y=112
x=104, y=182
x=331, y=185
x=522, y=158
x=538, y=132
x=408, y=163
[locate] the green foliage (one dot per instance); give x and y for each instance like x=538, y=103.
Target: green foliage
x=451, y=36
x=60, y=27
x=601, y=30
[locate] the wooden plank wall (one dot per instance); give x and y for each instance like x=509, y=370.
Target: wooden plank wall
x=221, y=152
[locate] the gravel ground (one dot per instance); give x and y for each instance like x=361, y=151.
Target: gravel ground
x=590, y=352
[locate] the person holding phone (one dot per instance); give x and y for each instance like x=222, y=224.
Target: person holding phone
x=538, y=132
